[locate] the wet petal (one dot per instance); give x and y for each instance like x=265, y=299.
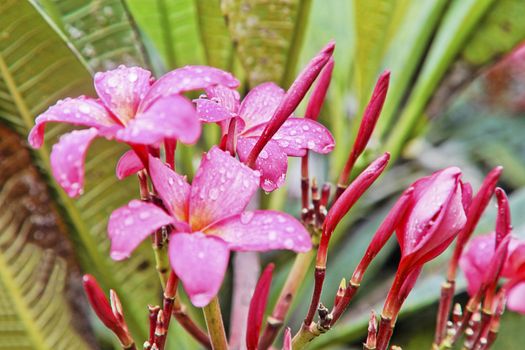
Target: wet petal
x=260, y=104
x=516, y=298
x=297, y=135
x=82, y=110
x=210, y=111
x=67, y=160
x=128, y=226
x=172, y=188
x=262, y=230
x=122, y=89
x=172, y=117
x=272, y=162
x=200, y=261
x=188, y=78
x=229, y=98
x=128, y=164
x=222, y=187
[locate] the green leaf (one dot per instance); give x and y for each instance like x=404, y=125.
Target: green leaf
x=101, y=31
x=371, y=20
x=28, y=86
x=458, y=39
x=39, y=279
x=268, y=37
x=172, y=27
x=214, y=33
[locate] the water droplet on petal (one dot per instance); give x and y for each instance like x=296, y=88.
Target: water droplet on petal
x=290, y=229
x=288, y=243
x=84, y=108
x=214, y=194
x=144, y=215
x=263, y=154
x=128, y=221
x=132, y=77
x=246, y=217
x=272, y=235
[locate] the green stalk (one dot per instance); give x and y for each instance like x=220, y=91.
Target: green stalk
x=213, y=317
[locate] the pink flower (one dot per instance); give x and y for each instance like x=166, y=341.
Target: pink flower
x=210, y=221
x=477, y=257
x=294, y=137
x=434, y=217
x=129, y=109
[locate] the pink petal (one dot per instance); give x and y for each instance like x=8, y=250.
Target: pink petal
x=188, y=78
x=122, y=89
x=260, y=104
x=67, y=159
x=171, y=117
x=272, y=162
x=297, y=135
x=262, y=230
x=516, y=298
x=172, y=188
x=437, y=214
x=222, y=187
x=210, y=111
x=257, y=307
x=475, y=260
x=128, y=226
x=200, y=261
x=226, y=97
x=287, y=343
x=128, y=164
x=82, y=110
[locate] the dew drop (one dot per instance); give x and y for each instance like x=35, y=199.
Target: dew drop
x=288, y=243
x=311, y=144
x=144, y=215
x=171, y=182
x=263, y=154
x=134, y=204
x=112, y=82
x=214, y=194
x=246, y=217
x=132, y=77
x=84, y=108
x=272, y=235
x=128, y=221
x=290, y=229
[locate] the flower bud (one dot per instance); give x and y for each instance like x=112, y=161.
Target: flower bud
x=345, y=202
x=319, y=93
x=435, y=216
x=368, y=123
x=257, y=307
x=291, y=100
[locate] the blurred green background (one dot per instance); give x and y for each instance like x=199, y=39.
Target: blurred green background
x=457, y=97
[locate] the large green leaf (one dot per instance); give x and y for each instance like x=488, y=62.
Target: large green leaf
x=172, y=27
x=41, y=303
x=216, y=39
x=267, y=36
x=371, y=20
x=27, y=87
x=458, y=39
x=101, y=30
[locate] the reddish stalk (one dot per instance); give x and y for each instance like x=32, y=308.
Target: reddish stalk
x=445, y=304
x=384, y=333
x=169, y=147
x=316, y=296
x=231, y=138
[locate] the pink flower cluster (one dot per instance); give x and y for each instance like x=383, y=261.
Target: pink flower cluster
x=202, y=222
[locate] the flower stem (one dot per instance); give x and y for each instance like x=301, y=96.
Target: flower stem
x=161, y=257
x=295, y=278
x=213, y=317
x=445, y=304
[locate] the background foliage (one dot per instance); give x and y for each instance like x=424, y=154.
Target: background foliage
x=434, y=117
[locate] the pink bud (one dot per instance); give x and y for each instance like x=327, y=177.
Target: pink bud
x=345, y=202
x=434, y=218
x=110, y=315
x=257, y=307
x=503, y=226
x=319, y=94
x=368, y=123
x=291, y=100
x=474, y=212
x=383, y=233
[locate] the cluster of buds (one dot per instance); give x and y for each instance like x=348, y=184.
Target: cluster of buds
x=195, y=226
